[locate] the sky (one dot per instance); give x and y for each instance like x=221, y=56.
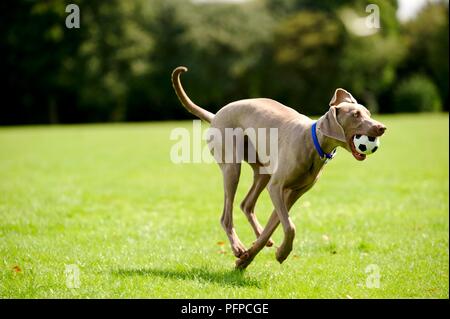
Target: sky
x=407, y=8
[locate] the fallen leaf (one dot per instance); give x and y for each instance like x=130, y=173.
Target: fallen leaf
x=220, y=243
x=325, y=237
x=16, y=269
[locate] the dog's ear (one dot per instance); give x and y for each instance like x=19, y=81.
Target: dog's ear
x=329, y=125
x=341, y=95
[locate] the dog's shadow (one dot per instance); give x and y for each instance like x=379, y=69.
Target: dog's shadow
x=234, y=278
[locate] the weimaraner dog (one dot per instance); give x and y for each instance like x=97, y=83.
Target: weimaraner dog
x=298, y=164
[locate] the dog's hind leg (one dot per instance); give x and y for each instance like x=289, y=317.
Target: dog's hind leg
x=248, y=204
x=231, y=172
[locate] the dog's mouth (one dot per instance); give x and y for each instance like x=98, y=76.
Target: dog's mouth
x=358, y=156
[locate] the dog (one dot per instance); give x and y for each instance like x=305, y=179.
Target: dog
x=304, y=146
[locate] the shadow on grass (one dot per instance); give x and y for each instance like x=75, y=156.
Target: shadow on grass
x=231, y=278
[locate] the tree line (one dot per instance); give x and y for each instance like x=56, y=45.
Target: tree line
x=117, y=65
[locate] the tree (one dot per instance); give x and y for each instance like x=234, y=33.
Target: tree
x=36, y=56
x=305, y=55
x=427, y=42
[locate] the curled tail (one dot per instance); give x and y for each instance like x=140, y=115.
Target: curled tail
x=185, y=100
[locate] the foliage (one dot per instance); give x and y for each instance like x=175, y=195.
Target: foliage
x=117, y=66
x=428, y=46
x=417, y=94
x=299, y=63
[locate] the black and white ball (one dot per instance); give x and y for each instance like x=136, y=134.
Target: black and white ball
x=366, y=144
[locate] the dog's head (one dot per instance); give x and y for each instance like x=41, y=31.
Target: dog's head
x=345, y=119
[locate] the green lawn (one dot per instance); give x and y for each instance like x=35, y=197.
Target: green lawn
x=107, y=199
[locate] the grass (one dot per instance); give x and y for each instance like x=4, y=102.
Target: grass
x=107, y=199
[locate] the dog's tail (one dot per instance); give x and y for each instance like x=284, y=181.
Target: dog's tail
x=185, y=100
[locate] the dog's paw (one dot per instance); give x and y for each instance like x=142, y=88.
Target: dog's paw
x=281, y=254
x=270, y=242
x=243, y=261
x=239, y=251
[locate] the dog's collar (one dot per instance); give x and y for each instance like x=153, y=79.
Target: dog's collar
x=322, y=154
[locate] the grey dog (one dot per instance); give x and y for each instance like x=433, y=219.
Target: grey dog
x=298, y=164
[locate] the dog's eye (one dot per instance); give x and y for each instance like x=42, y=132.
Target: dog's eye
x=356, y=114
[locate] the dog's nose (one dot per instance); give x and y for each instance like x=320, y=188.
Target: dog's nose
x=380, y=129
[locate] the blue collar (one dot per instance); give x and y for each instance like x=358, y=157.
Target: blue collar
x=322, y=154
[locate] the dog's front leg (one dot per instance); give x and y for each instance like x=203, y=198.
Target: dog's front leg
x=260, y=243
x=277, y=192
x=290, y=197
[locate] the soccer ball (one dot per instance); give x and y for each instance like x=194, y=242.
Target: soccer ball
x=366, y=144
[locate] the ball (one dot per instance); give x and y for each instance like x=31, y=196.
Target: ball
x=366, y=144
